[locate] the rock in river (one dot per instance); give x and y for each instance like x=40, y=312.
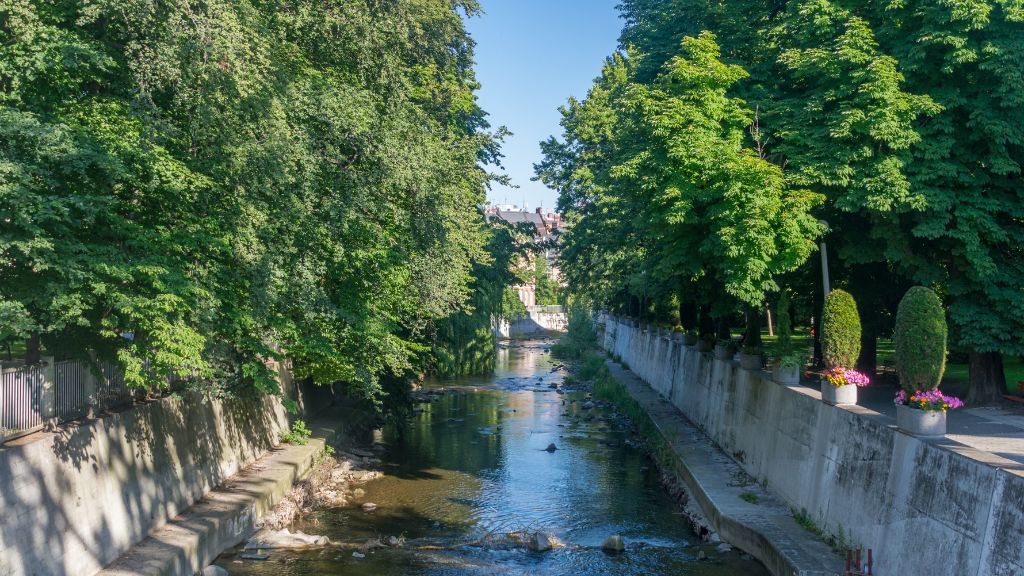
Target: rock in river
x=214, y=571
x=551, y=447
x=614, y=543
x=271, y=539
x=369, y=507
x=540, y=542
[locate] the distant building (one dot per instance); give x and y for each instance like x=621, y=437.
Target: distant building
x=546, y=226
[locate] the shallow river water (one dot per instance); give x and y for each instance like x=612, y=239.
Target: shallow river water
x=473, y=467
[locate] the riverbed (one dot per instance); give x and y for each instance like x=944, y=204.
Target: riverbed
x=473, y=472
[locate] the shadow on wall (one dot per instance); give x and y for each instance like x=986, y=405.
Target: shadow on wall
x=74, y=501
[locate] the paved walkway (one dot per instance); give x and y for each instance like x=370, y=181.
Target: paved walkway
x=996, y=430
x=745, y=514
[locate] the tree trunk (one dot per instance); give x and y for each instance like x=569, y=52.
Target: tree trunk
x=987, y=379
x=868, y=361
x=768, y=312
x=817, y=342
x=688, y=315
x=752, y=334
x=33, y=352
x=707, y=324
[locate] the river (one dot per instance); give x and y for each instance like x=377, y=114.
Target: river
x=472, y=467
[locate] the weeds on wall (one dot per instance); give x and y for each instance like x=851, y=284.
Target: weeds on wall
x=298, y=435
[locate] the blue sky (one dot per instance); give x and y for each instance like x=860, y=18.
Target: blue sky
x=531, y=56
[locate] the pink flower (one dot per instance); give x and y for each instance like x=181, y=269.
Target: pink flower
x=928, y=400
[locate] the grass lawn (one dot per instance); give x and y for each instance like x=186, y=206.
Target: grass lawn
x=953, y=382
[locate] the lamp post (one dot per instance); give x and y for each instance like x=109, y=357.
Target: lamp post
x=824, y=260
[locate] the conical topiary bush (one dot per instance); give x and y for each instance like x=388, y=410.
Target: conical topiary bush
x=840, y=330
x=920, y=336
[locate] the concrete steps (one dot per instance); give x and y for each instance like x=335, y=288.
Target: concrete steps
x=226, y=515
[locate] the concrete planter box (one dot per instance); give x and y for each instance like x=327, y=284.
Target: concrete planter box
x=786, y=375
x=690, y=339
x=704, y=346
x=920, y=422
x=836, y=395
x=723, y=352
x=750, y=361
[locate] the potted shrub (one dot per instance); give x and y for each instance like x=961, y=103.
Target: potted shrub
x=750, y=358
x=725, y=349
x=788, y=368
x=920, y=336
x=750, y=351
x=789, y=361
x=840, y=347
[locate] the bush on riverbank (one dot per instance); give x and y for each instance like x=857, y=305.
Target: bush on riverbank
x=581, y=338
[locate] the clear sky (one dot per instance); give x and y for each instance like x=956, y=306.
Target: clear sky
x=531, y=56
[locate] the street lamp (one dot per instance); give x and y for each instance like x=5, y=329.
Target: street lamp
x=824, y=260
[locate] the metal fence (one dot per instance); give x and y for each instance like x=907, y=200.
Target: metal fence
x=22, y=400
x=31, y=396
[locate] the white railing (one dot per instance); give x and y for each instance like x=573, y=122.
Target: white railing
x=554, y=309
x=57, y=392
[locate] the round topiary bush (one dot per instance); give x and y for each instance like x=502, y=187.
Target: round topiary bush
x=840, y=331
x=920, y=337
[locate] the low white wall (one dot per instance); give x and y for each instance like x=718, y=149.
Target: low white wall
x=74, y=501
x=926, y=508
x=538, y=320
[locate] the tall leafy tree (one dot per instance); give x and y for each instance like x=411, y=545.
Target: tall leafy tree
x=199, y=187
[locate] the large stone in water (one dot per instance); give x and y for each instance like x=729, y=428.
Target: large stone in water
x=214, y=571
x=540, y=542
x=551, y=447
x=614, y=543
x=270, y=539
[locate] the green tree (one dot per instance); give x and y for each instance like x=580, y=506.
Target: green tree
x=198, y=188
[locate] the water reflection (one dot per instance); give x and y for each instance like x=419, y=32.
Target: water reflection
x=473, y=464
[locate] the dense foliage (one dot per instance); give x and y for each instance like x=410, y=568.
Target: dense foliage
x=898, y=123
x=920, y=338
x=195, y=188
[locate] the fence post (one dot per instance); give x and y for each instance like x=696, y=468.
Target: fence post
x=48, y=401
x=89, y=384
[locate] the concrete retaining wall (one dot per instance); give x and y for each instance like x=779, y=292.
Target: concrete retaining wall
x=74, y=501
x=926, y=507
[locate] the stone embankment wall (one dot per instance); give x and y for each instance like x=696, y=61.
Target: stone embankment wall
x=925, y=507
x=73, y=501
x=538, y=320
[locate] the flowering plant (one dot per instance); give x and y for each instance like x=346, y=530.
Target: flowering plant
x=842, y=376
x=929, y=400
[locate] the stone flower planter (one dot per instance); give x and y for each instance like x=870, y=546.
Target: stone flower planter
x=723, y=352
x=921, y=422
x=704, y=346
x=836, y=395
x=750, y=361
x=786, y=375
x=690, y=339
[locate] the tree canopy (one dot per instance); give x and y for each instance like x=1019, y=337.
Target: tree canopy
x=897, y=123
x=196, y=188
